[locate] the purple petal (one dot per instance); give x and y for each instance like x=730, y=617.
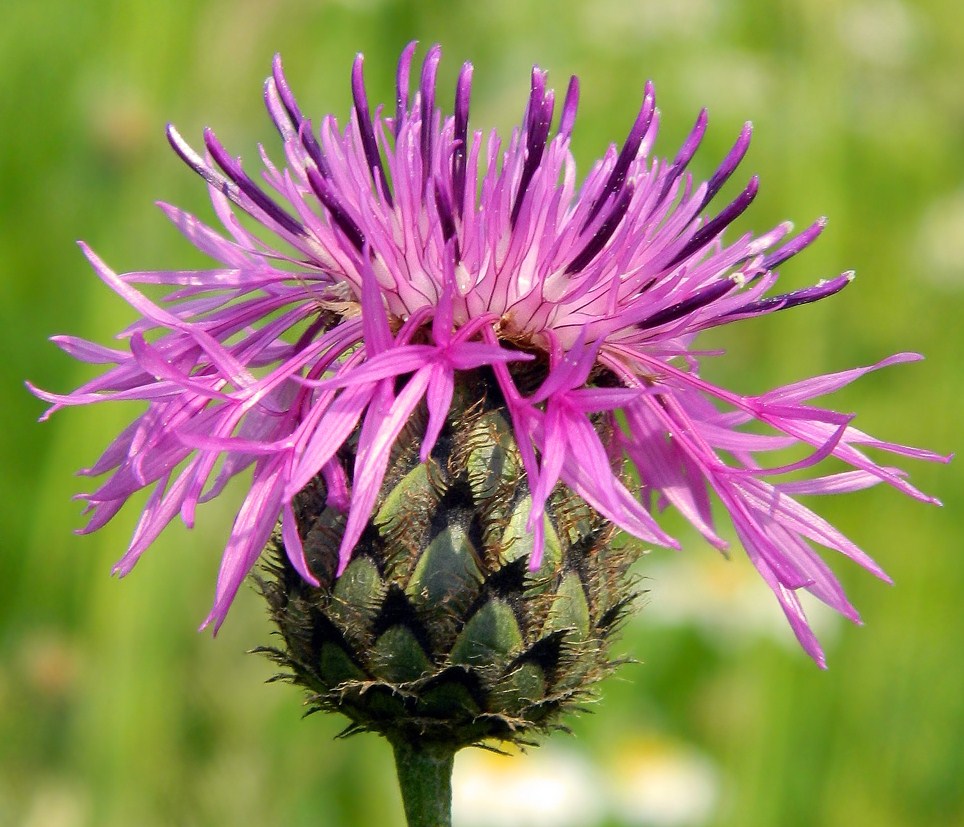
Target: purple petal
x=375, y=444
x=252, y=529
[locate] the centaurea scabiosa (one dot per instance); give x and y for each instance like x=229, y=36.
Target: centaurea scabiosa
x=435, y=321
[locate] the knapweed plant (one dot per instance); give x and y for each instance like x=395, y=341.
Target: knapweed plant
x=452, y=370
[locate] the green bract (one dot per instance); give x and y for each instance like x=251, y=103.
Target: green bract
x=437, y=630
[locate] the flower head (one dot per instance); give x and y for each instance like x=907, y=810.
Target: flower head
x=405, y=253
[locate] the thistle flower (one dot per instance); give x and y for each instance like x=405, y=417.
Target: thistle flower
x=414, y=283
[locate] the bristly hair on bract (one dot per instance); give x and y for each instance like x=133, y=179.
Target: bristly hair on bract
x=410, y=253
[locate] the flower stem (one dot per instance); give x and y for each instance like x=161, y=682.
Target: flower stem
x=425, y=777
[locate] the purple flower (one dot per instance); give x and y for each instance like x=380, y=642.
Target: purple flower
x=406, y=250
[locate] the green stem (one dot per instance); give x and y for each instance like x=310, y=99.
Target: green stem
x=425, y=777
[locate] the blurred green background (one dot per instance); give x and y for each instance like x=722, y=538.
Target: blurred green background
x=113, y=711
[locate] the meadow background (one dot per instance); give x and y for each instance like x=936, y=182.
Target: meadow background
x=114, y=711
